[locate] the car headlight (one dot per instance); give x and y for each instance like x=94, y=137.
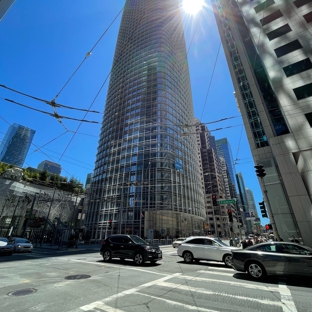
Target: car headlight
x=147, y=248
x=19, y=246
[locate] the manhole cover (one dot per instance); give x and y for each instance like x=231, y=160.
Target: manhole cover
x=22, y=292
x=77, y=277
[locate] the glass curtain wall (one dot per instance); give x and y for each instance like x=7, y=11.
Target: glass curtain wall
x=144, y=161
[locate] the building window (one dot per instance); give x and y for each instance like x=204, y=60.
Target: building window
x=309, y=118
x=270, y=18
x=303, y=91
x=300, y=3
x=288, y=48
x=263, y=5
x=308, y=17
x=298, y=67
x=278, y=32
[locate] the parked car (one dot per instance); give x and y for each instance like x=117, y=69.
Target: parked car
x=178, y=241
x=21, y=244
x=129, y=247
x=273, y=258
x=205, y=248
x=5, y=247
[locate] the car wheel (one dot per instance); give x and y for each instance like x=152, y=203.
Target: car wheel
x=138, y=259
x=256, y=270
x=227, y=259
x=188, y=257
x=107, y=255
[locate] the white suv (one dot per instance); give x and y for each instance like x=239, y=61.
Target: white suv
x=205, y=248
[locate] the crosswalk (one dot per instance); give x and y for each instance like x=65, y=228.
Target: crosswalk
x=208, y=289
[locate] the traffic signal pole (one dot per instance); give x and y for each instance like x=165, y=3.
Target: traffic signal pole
x=261, y=174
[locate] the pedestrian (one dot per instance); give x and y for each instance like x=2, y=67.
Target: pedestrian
x=256, y=240
x=244, y=244
x=294, y=240
x=249, y=242
x=231, y=241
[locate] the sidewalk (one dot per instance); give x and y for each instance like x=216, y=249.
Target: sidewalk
x=64, y=247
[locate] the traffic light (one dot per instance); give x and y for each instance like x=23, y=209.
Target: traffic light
x=230, y=214
x=263, y=210
x=260, y=171
x=110, y=224
x=214, y=200
x=268, y=227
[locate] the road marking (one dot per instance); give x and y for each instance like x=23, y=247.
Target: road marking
x=120, y=266
x=218, y=273
x=251, y=286
x=286, y=298
x=103, y=307
x=208, y=292
x=189, y=307
x=130, y=291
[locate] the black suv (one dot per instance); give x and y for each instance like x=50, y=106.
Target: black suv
x=129, y=247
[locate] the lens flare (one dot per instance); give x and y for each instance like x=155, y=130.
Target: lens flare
x=192, y=6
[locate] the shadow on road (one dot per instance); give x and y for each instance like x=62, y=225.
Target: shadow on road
x=129, y=263
x=39, y=253
x=290, y=280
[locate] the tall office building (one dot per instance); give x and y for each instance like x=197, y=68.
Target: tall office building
x=5, y=5
x=15, y=145
x=50, y=167
x=224, y=150
x=147, y=179
x=243, y=205
x=268, y=49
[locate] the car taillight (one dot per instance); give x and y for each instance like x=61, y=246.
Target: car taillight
x=103, y=243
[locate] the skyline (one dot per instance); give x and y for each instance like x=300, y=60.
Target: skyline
x=41, y=59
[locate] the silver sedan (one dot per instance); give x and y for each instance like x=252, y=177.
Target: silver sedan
x=273, y=258
x=21, y=244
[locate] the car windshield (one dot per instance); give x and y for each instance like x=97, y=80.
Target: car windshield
x=219, y=241
x=22, y=240
x=138, y=240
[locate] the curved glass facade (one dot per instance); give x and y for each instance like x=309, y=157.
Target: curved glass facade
x=147, y=178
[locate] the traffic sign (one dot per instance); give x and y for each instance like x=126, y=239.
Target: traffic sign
x=227, y=201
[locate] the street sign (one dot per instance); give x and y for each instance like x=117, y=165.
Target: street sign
x=227, y=201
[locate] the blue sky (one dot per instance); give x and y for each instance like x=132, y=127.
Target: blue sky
x=42, y=44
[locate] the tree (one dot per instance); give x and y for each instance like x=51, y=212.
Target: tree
x=43, y=176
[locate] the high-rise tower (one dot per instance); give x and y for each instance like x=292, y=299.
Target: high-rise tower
x=147, y=179
x=15, y=145
x=267, y=44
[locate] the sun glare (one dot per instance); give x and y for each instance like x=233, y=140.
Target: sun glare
x=192, y=6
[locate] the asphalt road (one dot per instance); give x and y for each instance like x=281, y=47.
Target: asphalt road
x=43, y=281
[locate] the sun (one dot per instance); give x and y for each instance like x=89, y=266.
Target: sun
x=192, y=6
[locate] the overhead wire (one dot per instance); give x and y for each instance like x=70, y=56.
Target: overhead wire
x=55, y=115
x=51, y=103
x=88, y=54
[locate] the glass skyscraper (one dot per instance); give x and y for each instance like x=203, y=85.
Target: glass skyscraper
x=15, y=145
x=147, y=179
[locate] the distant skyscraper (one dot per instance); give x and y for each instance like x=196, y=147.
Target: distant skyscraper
x=251, y=203
x=224, y=150
x=244, y=202
x=147, y=178
x=50, y=167
x=268, y=49
x=4, y=7
x=15, y=145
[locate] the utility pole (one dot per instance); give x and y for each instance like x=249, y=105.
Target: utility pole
x=260, y=171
